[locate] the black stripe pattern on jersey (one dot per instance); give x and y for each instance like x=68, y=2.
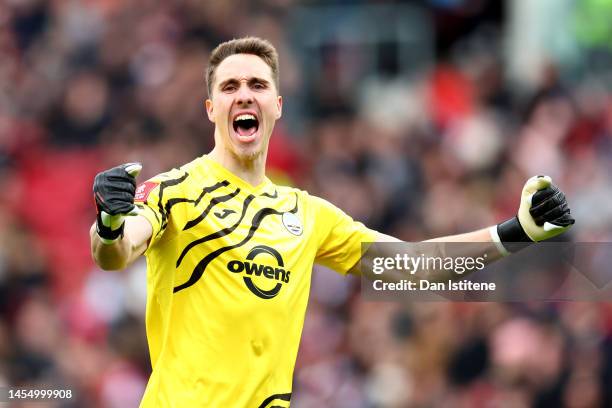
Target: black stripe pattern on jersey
x=211, y=204
x=171, y=202
x=275, y=195
x=162, y=187
x=164, y=209
x=217, y=234
x=199, y=269
x=223, y=214
x=283, y=397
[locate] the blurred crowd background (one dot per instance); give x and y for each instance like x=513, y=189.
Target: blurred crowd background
x=419, y=118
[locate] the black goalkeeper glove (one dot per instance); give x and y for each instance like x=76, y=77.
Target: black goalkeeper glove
x=543, y=214
x=114, y=192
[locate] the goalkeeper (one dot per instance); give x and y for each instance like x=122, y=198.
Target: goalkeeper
x=230, y=254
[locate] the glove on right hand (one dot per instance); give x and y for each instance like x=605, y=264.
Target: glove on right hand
x=114, y=191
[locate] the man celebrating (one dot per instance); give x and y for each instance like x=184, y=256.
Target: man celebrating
x=230, y=254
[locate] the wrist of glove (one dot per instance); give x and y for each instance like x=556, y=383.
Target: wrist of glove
x=543, y=214
x=114, y=192
x=109, y=227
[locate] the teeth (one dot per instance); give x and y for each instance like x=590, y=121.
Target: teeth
x=245, y=116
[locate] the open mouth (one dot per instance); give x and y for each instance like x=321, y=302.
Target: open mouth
x=245, y=125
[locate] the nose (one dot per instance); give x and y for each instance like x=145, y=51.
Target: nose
x=244, y=95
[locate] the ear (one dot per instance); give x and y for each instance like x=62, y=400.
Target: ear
x=209, y=110
x=279, y=107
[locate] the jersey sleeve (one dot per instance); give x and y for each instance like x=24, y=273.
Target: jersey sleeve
x=148, y=201
x=339, y=237
x=152, y=200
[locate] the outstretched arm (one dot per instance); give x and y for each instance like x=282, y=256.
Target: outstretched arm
x=543, y=213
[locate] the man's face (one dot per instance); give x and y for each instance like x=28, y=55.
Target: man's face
x=244, y=105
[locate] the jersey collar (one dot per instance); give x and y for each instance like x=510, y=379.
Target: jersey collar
x=220, y=172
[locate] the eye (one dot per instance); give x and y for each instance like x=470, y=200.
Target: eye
x=229, y=88
x=259, y=85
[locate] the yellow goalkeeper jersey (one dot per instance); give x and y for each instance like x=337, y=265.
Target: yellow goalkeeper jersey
x=228, y=276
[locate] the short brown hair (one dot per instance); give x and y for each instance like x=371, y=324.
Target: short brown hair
x=246, y=45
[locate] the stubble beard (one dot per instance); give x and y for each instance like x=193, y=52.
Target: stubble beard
x=247, y=157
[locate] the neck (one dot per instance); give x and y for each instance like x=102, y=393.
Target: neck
x=251, y=169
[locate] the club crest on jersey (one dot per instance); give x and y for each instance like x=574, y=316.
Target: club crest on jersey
x=252, y=269
x=292, y=223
